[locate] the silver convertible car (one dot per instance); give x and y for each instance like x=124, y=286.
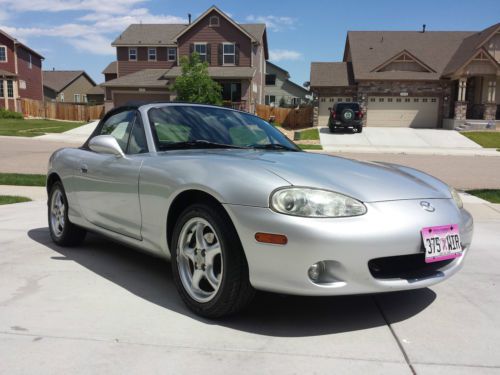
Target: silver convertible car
x=238, y=207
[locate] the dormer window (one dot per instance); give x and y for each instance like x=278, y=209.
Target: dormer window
x=132, y=54
x=214, y=21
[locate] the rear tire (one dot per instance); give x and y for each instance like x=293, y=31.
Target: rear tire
x=210, y=285
x=62, y=231
x=360, y=129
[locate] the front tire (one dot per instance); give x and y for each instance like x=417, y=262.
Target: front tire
x=62, y=231
x=208, y=262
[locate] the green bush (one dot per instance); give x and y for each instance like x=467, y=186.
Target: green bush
x=9, y=114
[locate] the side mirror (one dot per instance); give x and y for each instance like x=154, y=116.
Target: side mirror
x=106, y=144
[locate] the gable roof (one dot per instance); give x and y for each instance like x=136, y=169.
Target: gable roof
x=269, y=63
x=96, y=90
x=112, y=68
x=58, y=80
x=221, y=13
x=20, y=44
x=331, y=74
x=407, y=56
x=370, y=49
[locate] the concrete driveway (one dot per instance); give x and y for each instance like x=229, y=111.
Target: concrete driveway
x=103, y=308
x=438, y=141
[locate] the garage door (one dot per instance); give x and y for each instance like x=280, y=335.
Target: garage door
x=124, y=98
x=327, y=102
x=409, y=112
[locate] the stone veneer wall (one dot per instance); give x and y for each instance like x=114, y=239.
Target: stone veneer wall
x=490, y=111
x=460, y=110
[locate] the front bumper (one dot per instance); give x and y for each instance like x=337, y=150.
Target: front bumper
x=388, y=229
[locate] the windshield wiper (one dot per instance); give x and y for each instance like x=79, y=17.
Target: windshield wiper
x=198, y=143
x=272, y=146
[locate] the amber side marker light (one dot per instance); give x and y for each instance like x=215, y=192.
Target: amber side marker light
x=277, y=239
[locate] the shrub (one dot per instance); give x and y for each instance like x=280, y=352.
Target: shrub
x=9, y=114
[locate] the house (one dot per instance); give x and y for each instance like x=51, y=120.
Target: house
x=20, y=73
x=414, y=78
x=147, y=59
x=69, y=86
x=280, y=90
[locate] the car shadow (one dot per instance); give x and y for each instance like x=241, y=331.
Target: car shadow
x=337, y=131
x=150, y=278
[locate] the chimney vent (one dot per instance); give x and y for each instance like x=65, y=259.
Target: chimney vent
x=189, y=18
x=423, y=28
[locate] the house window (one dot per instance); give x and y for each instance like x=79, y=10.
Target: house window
x=10, y=88
x=372, y=99
x=1, y=88
x=407, y=100
x=84, y=97
x=322, y=100
x=77, y=98
x=152, y=54
x=270, y=99
x=332, y=99
x=61, y=97
x=295, y=101
x=172, y=54
x=339, y=99
x=30, y=61
x=433, y=100
x=201, y=49
x=424, y=100
x=132, y=54
x=228, y=57
x=389, y=100
x=22, y=84
x=3, y=54
x=398, y=100
x=270, y=79
x=415, y=100
x=214, y=21
x=381, y=100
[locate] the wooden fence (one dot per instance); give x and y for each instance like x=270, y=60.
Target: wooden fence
x=61, y=111
x=288, y=117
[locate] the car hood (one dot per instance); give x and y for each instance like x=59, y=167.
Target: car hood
x=366, y=181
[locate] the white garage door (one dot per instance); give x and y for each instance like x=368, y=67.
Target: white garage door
x=409, y=112
x=327, y=102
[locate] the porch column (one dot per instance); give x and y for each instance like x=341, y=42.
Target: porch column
x=490, y=107
x=5, y=96
x=16, y=93
x=461, y=104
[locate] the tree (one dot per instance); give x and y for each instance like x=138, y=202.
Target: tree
x=194, y=85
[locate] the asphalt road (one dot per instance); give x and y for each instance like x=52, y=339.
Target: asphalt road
x=103, y=308
x=28, y=155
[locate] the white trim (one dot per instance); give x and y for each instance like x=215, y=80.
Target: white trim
x=228, y=54
x=136, y=53
x=210, y=24
x=6, y=55
x=200, y=54
x=149, y=53
x=223, y=15
x=61, y=97
x=76, y=98
x=168, y=54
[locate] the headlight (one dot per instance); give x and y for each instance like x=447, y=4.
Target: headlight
x=315, y=203
x=456, y=198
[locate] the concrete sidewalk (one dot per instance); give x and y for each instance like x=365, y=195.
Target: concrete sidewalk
x=102, y=307
x=35, y=193
x=77, y=135
x=403, y=140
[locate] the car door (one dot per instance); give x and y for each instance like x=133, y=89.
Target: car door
x=108, y=186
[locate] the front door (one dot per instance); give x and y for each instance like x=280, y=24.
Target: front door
x=108, y=186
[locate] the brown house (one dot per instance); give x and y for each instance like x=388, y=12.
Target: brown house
x=414, y=78
x=148, y=59
x=68, y=86
x=20, y=72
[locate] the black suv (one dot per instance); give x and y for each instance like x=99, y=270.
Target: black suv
x=346, y=115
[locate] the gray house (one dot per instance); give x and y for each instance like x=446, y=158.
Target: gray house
x=280, y=90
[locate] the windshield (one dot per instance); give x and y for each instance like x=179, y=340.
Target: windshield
x=185, y=126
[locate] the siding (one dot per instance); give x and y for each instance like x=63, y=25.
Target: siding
x=225, y=32
x=80, y=86
x=283, y=88
x=126, y=67
x=9, y=65
x=32, y=77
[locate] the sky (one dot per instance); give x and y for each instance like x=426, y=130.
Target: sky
x=77, y=34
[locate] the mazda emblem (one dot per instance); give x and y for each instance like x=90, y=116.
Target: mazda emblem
x=427, y=206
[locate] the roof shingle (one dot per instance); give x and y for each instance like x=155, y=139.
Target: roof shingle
x=142, y=78
x=58, y=79
x=331, y=74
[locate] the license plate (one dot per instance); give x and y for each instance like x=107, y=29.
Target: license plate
x=441, y=243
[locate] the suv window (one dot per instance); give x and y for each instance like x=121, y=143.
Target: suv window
x=339, y=107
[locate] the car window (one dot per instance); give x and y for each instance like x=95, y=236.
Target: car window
x=341, y=106
x=137, y=143
x=172, y=124
x=119, y=126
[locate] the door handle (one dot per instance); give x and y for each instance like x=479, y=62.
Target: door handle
x=84, y=168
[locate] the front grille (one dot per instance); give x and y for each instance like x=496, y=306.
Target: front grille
x=405, y=267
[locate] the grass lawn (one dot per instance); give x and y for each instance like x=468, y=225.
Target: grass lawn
x=484, y=139
x=8, y=199
x=22, y=179
x=32, y=128
x=309, y=134
x=310, y=147
x=490, y=195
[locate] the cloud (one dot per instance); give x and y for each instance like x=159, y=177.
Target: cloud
x=93, y=31
x=274, y=23
x=284, y=54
